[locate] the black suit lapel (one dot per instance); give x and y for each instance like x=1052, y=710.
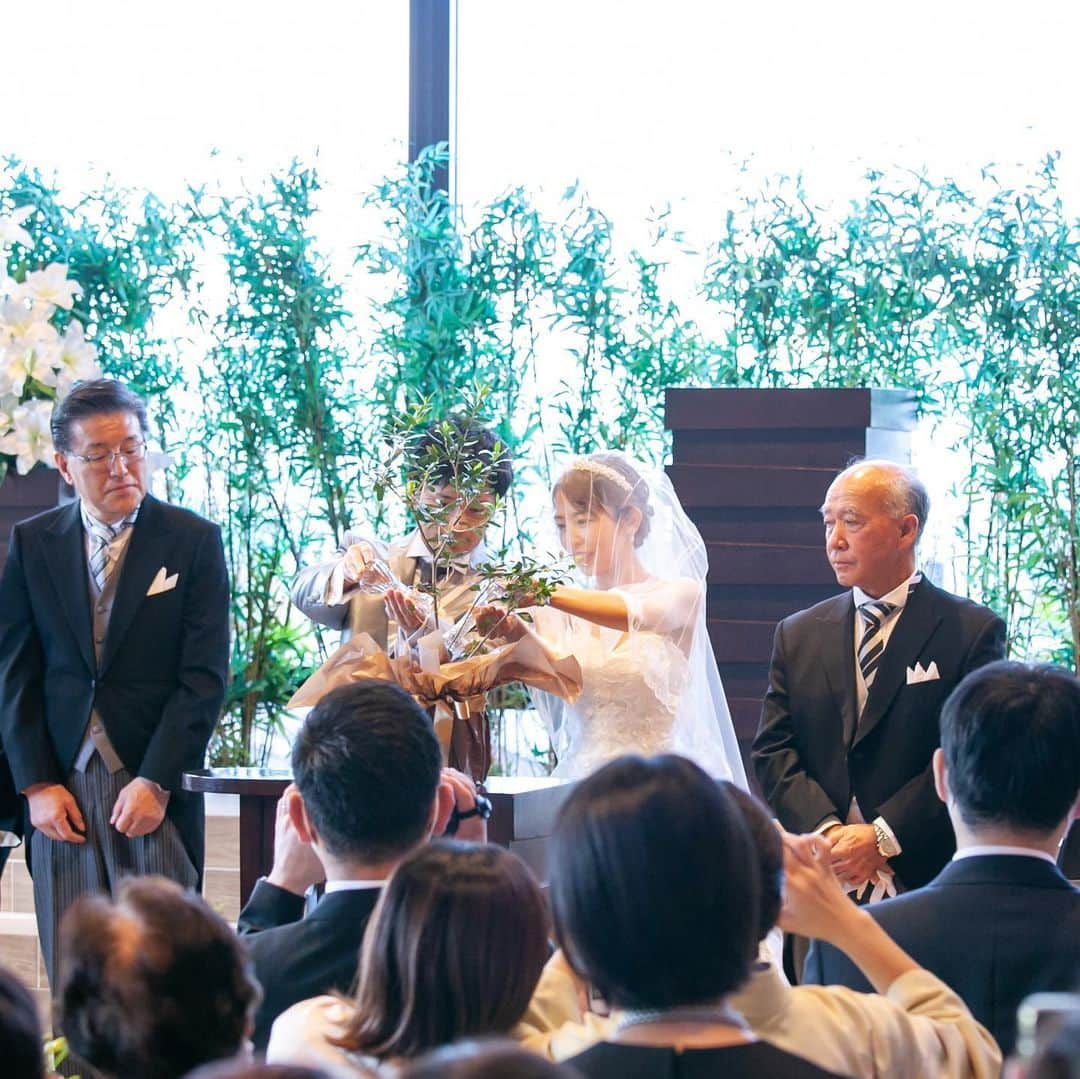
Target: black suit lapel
x=142, y=560
x=64, y=547
x=838, y=660
x=919, y=619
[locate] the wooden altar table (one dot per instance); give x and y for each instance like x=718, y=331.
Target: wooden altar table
x=524, y=810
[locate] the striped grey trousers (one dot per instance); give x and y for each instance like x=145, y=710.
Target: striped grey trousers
x=64, y=871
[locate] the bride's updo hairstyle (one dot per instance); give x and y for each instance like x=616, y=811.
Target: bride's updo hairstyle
x=607, y=481
x=655, y=884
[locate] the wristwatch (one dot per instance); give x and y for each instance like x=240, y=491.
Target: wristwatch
x=886, y=845
x=482, y=808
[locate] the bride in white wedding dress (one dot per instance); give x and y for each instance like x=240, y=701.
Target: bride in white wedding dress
x=636, y=625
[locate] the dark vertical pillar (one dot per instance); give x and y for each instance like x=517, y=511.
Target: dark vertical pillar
x=429, y=79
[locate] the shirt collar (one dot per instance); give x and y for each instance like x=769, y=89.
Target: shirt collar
x=351, y=885
x=92, y=524
x=992, y=849
x=418, y=549
x=898, y=597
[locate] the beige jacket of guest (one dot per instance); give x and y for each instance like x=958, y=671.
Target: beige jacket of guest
x=920, y=1028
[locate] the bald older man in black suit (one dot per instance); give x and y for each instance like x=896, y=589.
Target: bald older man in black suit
x=849, y=724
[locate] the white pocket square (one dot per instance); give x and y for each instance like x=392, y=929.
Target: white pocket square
x=920, y=674
x=161, y=583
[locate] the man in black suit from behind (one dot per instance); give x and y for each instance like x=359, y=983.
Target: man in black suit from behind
x=1001, y=920
x=849, y=723
x=368, y=787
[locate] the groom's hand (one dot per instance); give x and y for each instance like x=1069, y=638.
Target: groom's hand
x=360, y=565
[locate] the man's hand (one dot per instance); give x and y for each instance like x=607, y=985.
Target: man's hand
x=139, y=808
x=403, y=610
x=296, y=865
x=855, y=856
x=55, y=813
x=814, y=903
x=361, y=566
x=463, y=791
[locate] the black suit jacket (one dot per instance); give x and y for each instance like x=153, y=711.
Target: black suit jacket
x=993, y=927
x=161, y=680
x=297, y=957
x=811, y=755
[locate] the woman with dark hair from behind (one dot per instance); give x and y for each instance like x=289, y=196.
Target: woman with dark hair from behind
x=453, y=950
x=655, y=891
x=20, y=1030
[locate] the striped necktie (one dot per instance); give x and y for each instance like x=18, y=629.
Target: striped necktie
x=874, y=614
x=103, y=535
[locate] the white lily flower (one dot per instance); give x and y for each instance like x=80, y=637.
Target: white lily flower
x=49, y=286
x=31, y=440
x=77, y=359
x=22, y=319
x=11, y=230
x=24, y=361
x=8, y=404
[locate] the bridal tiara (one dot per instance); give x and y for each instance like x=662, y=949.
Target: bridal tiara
x=598, y=468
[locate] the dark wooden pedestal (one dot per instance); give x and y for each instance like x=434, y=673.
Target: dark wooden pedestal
x=523, y=814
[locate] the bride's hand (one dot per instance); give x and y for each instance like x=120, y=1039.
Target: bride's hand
x=403, y=610
x=499, y=623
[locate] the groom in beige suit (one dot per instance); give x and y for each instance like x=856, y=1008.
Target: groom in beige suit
x=331, y=593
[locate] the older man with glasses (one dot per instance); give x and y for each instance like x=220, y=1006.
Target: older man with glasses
x=113, y=663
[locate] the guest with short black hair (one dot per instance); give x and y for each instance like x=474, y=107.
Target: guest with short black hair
x=453, y=950
x=20, y=1030
x=368, y=788
x=655, y=890
x=152, y=983
x=1000, y=921
x=492, y=1059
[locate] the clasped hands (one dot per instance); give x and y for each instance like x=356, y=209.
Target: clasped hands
x=139, y=810
x=853, y=853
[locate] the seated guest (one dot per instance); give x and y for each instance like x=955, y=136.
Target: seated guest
x=245, y=1069
x=152, y=983
x=366, y=791
x=655, y=890
x=1000, y=921
x=20, y=1030
x=453, y=950
x=919, y=1028
x=1059, y=1058
x=494, y=1059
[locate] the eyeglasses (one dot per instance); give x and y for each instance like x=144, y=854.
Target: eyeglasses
x=105, y=459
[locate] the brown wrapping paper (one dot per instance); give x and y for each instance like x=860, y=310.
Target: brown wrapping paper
x=528, y=660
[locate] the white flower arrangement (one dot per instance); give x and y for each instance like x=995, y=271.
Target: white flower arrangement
x=38, y=364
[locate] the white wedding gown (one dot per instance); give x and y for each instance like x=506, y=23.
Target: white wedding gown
x=638, y=687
